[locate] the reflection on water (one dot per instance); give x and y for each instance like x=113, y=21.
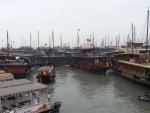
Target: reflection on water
x=84, y=92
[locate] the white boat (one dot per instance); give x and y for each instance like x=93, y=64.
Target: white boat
x=25, y=98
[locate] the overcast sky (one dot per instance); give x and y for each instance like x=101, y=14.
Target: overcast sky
x=102, y=17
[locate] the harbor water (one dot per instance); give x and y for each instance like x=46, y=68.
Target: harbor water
x=85, y=92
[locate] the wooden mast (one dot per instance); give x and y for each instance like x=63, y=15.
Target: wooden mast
x=7, y=46
x=30, y=40
x=147, y=31
x=38, y=42
x=132, y=37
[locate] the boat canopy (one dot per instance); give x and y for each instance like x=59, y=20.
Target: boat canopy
x=14, y=83
x=48, y=68
x=135, y=64
x=21, y=89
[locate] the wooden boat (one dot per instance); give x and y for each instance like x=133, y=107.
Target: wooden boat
x=144, y=98
x=46, y=74
x=12, y=64
x=26, y=98
x=132, y=67
x=19, y=68
x=90, y=63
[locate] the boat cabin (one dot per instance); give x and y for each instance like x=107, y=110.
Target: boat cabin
x=134, y=70
x=25, y=98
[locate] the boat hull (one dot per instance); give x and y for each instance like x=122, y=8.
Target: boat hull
x=20, y=75
x=46, y=79
x=19, y=71
x=140, y=82
x=143, y=98
x=90, y=68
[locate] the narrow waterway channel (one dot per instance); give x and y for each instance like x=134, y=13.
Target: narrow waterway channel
x=84, y=92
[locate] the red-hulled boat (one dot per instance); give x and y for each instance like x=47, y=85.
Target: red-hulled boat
x=19, y=68
x=87, y=60
x=90, y=63
x=46, y=74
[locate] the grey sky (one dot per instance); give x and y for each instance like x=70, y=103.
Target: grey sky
x=65, y=17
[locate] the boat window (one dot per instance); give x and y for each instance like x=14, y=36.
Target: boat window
x=96, y=60
x=133, y=68
x=137, y=69
x=147, y=72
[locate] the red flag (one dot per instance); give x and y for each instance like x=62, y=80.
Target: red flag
x=88, y=40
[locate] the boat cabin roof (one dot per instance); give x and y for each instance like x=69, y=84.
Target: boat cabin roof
x=2, y=71
x=21, y=89
x=6, y=76
x=134, y=64
x=89, y=57
x=14, y=83
x=48, y=68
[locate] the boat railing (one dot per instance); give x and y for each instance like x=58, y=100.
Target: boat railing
x=132, y=72
x=22, y=102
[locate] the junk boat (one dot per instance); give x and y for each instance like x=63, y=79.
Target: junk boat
x=46, y=74
x=88, y=60
x=19, y=68
x=16, y=97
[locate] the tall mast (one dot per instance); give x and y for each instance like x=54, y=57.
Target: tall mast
x=53, y=38
x=93, y=40
x=105, y=41
x=30, y=40
x=49, y=41
x=60, y=41
x=108, y=41
x=77, y=39
x=38, y=41
x=147, y=29
x=134, y=34
x=132, y=37
x=116, y=42
x=7, y=46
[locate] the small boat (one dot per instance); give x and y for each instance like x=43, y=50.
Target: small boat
x=109, y=72
x=26, y=98
x=144, y=98
x=46, y=74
